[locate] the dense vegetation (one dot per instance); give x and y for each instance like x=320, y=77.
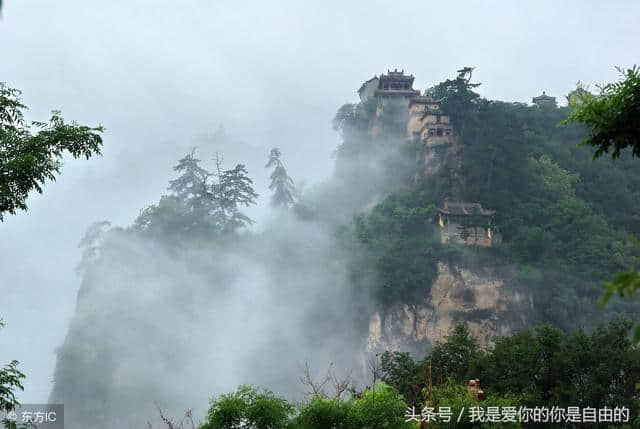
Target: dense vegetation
x=380, y=406
x=542, y=367
x=611, y=119
x=28, y=159
x=566, y=220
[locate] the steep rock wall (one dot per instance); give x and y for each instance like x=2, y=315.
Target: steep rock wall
x=479, y=297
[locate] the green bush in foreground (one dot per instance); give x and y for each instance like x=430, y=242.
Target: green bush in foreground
x=248, y=408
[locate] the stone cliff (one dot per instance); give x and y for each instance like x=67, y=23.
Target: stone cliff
x=479, y=297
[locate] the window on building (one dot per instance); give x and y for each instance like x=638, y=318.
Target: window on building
x=439, y=131
x=432, y=132
x=447, y=132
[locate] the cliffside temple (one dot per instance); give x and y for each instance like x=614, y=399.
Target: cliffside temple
x=428, y=123
x=467, y=223
x=460, y=222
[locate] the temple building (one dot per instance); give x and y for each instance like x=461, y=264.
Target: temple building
x=459, y=222
x=428, y=123
x=392, y=91
x=544, y=100
x=467, y=223
x=395, y=84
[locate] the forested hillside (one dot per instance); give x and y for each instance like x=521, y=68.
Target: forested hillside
x=304, y=287
x=566, y=219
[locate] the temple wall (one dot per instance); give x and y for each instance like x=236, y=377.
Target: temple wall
x=438, y=140
x=451, y=234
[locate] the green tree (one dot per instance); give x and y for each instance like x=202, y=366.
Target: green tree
x=235, y=189
x=248, y=408
x=197, y=206
x=398, y=236
x=324, y=413
x=10, y=381
x=458, y=98
x=31, y=154
x=190, y=206
x=405, y=375
x=193, y=193
x=611, y=117
x=460, y=401
x=379, y=407
x=281, y=183
x=191, y=185
x=547, y=366
x=455, y=358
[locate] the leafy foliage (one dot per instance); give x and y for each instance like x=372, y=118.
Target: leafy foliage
x=611, y=117
x=612, y=122
x=624, y=284
x=377, y=407
x=248, y=408
x=407, y=376
x=323, y=413
x=28, y=159
x=398, y=235
x=564, y=219
x=458, y=98
x=457, y=397
x=540, y=367
x=10, y=381
x=454, y=360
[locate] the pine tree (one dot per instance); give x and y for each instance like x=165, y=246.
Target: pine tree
x=281, y=183
x=190, y=190
x=191, y=184
x=234, y=189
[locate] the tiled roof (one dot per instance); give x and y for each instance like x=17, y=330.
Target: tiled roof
x=465, y=208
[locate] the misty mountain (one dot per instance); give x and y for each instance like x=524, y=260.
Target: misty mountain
x=365, y=262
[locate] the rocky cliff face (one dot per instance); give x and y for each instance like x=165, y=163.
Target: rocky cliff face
x=479, y=297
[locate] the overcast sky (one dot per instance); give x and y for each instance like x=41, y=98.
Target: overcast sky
x=158, y=74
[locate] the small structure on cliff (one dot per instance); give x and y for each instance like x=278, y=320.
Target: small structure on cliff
x=425, y=120
x=467, y=223
x=428, y=123
x=544, y=100
x=395, y=84
x=393, y=94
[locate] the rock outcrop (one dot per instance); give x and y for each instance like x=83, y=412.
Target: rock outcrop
x=478, y=297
